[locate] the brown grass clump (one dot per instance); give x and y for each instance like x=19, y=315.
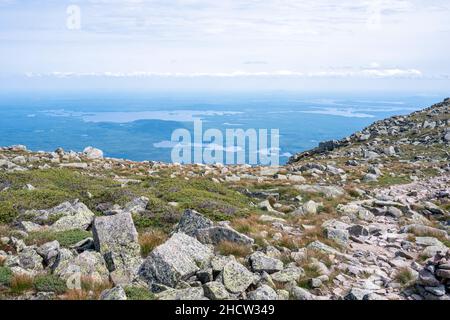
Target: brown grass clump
x=21, y=283
x=404, y=276
x=91, y=289
x=230, y=248
x=150, y=240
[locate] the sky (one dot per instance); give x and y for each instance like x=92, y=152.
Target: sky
x=311, y=45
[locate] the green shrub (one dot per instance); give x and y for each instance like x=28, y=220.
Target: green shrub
x=5, y=276
x=50, y=283
x=138, y=293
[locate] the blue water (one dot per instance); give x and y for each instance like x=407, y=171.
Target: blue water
x=138, y=126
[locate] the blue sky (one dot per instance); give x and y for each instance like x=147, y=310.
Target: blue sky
x=242, y=44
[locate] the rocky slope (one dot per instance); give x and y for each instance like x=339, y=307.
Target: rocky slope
x=366, y=217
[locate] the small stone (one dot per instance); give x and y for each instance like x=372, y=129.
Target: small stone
x=117, y=293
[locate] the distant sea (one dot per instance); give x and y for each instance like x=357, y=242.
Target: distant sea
x=138, y=126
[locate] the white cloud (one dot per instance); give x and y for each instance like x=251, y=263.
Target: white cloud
x=366, y=73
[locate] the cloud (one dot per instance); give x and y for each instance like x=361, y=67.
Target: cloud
x=365, y=73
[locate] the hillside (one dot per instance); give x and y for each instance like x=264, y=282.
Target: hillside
x=366, y=217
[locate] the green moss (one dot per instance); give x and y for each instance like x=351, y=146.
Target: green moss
x=5, y=276
x=138, y=293
x=65, y=238
x=387, y=180
x=50, y=283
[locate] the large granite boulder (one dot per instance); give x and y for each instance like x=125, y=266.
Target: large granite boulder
x=177, y=259
x=116, y=238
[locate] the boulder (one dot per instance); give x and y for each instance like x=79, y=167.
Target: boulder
x=177, y=259
x=49, y=252
x=195, y=293
x=191, y=222
x=116, y=293
x=215, y=291
x=264, y=292
x=28, y=259
x=69, y=215
x=288, y=275
x=88, y=264
x=261, y=262
x=236, y=277
x=116, y=238
x=217, y=234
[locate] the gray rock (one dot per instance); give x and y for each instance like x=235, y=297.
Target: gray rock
x=182, y=294
x=356, y=294
x=177, y=259
x=437, y=291
x=116, y=238
x=28, y=259
x=49, y=252
x=298, y=293
x=358, y=230
x=87, y=264
x=218, y=234
x=215, y=291
x=429, y=241
x=191, y=222
x=236, y=277
x=29, y=226
x=116, y=293
x=72, y=215
x=287, y=275
x=261, y=262
x=369, y=177
x=137, y=205
x=338, y=235
x=264, y=292
x=394, y=212
x=310, y=207
x=422, y=229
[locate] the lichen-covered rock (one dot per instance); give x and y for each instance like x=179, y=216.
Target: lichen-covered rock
x=195, y=293
x=116, y=238
x=215, y=291
x=116, y=293
x=177, y=259
x=264, y=292
x=191, y=222
x=28, y=259
x=298, y=293
x=87, y=264
x=236, y=277
x=196, y=225
x=261, y=262
x=288, y=275
x=69, y=215
x=49, y=252
x=217, y=234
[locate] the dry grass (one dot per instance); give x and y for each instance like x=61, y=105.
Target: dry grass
x=2, y=261
x=75, y=295
x=150, y=240
x=404, y=276
x=91, y=289
x=21, y=283
x=248, y=225
x=226, y=248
